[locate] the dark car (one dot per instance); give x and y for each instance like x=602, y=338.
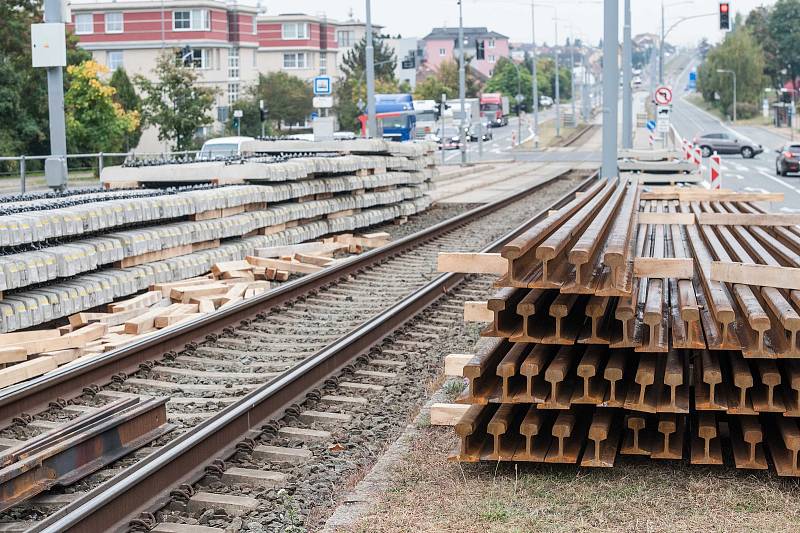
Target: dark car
x=450, y=140
x=727, y=143
x=788, y=159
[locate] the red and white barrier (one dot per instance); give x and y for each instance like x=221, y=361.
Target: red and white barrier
x=697, y=156
x=513, y=139
x=687, y=150
x=715, y=171
x=652, y=139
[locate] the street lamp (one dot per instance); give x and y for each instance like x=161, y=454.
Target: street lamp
x=664, y=37
x=732, y=73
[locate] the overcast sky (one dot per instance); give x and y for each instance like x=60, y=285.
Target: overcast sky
x=414, y=18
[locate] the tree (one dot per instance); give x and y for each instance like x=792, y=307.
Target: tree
x=126, y=97
x=448, y=75
x=741, y=53
x=432, y=88
x=95, y=122
x=174, y=103
x=288, y=98
x=24, y=121
x=784, y=27
x=511, y=79
x=757, y=23
x=355, y=60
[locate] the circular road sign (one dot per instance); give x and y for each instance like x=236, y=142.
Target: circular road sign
x=663, y=96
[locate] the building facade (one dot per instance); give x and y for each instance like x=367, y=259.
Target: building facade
x=229, y=43
x=441, y=44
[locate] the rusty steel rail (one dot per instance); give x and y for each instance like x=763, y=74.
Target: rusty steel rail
x=36, y=394
x=64, y=455
x=146, y=486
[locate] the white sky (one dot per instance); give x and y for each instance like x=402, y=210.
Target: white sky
x=584, y=18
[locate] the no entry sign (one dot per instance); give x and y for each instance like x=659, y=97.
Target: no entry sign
x=663, y=96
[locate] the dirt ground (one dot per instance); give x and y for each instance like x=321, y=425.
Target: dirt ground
x=430, y=494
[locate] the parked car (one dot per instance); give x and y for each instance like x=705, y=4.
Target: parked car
x=222, y=148
x=545, y=101
x=449, y=139
x=486, y=132
x=788, y=159
x=727, y=143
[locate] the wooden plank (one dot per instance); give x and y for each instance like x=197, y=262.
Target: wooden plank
x=663, y=267
x=8, y=339
x=137, y=302
x=230, y=266
x=28, y=369
x=749, y=219
x=12, y=354
x=472, y=263
x=477, y=312
x=447, y=414
x=454, y=364
x=702, y=195
x=165, y=288
x=369, y=240
x=76, y=339
x=158, y=255
x=280, y=264
x=185, y=294
x=652, y=217
x=313, y=259
x=760, y=275
x=310, y=248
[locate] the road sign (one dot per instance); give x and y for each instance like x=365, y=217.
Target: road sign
x=662, y=115
x=322, y=86
x=323, y=102
x=314, y=115
x=663, y=96
x=238, y=113
x=651, y=125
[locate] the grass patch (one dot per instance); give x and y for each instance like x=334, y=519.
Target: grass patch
x=453, y=388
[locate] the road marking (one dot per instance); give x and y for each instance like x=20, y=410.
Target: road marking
x=755, y=189
x=738, y=176
x=789, y=210
x=740, y=168
x=777, y=180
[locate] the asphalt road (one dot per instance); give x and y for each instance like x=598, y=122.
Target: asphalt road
x=757, y=174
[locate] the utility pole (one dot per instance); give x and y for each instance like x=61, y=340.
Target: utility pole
x=372, y=126
x=462, y=85
x=534, y=81
x=627, y=76
x=661, y=49
x=572, y=78
x=610, y=86
x=558, y=91
x=585, y=100
x=733, y=73
x=55, y=166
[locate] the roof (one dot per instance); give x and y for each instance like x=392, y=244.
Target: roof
x=470, y=33
x=137, y=5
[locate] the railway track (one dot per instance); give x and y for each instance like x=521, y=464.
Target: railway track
x=228, y=374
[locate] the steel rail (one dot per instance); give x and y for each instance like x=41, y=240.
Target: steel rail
x=146, y=486
x=70, y=380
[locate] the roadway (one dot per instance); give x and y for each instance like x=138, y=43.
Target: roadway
x=757, y=174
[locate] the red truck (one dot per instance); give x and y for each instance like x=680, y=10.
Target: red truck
x=494, y=109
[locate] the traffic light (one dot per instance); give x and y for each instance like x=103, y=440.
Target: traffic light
x=725, y=16
x=236, y=123
x=480, y=50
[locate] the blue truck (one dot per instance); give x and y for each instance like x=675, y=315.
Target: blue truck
x=395, y=116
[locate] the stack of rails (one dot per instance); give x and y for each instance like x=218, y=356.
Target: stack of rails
x=59, y=261
x=659, y=323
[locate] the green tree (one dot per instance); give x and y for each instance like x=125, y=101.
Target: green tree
x=741, y=53
x=174, y=103
x=95, y=122
x=355, y=60
x=510, y=79
x=130, y=101
x=448, y=75
x=758, y=23
x=432, y=88
x=784, y=27
x=288, y=98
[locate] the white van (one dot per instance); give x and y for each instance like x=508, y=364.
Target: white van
x=222, y=148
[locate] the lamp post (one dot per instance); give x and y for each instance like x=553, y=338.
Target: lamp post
x=627, y=71
x=372, y=125
x=610, y=87
x=462, y=84
x=534, y=80
x=733, y=74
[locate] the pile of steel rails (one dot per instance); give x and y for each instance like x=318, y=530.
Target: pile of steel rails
x=653, y=322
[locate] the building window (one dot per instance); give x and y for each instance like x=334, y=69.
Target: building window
x=345, y=37
x=233, y=93
x=233, y=63
x=442, y=52
x=114, y=60
x=84, y=23
x=191, y=19
x=113, y=22
x=323, y=63
x=295, y=60
x=200, y=58
x=294, y=30
x=491, y=59
x=491, y=43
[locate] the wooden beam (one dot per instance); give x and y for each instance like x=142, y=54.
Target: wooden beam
x=477, y=312
x=749, y=219
x=28, y=369
x=447, y=414
x=9, y=339
x=649, y=217
x=702, y=195
x=455, y=362
x=309, y=248
x=280, y=264
x=472, y=263
x=759, y=275
x=664, y=268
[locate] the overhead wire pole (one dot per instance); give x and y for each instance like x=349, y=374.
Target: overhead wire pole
x=557, y=76
x=572, y=77
x=462, y=84
x=627, y=78
x=610, y=86
x=372, y=125
x=534, y=80
x=56, y=165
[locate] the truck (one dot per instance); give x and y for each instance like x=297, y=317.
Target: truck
x=426, y=112
x=395, y=117
x=494, y=109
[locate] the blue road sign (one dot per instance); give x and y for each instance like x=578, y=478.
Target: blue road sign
x=322, y=86
x=314, y=115
x=651, y=125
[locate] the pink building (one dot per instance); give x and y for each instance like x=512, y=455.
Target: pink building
x=441, y=44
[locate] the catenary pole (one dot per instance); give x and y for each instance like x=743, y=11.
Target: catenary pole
x=372, y=126
x=610, y=86
x=627, y=79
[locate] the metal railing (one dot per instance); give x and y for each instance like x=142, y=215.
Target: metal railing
x=93, y=163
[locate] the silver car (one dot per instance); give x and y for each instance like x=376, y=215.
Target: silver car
x=727, y=143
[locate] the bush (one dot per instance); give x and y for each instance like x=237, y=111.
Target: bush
x=745, y=110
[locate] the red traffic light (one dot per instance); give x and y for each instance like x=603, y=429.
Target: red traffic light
x=723, y=8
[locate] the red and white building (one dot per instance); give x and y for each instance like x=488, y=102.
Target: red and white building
x=230, y=43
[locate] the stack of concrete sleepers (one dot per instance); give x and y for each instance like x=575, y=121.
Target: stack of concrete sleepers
x=62, y=260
